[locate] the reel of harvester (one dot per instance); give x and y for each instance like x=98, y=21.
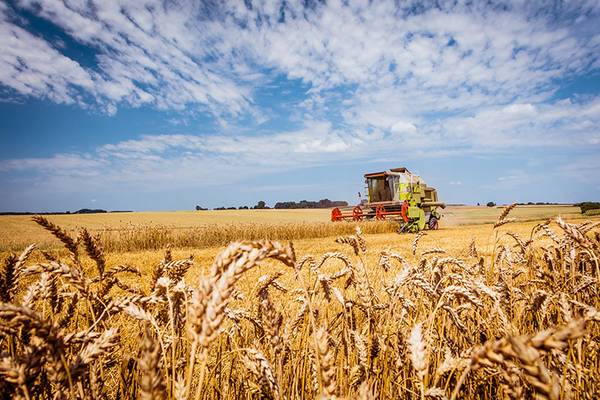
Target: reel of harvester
x=397, y=195
x=347, y=213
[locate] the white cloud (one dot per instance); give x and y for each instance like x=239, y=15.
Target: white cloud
x=176, y=160
x=495, y=52
x=59, y=164
x=29, y=65
x=183, y=160
x=402, y=126
x=147, y=53
x=446, y=58
x=561, y=123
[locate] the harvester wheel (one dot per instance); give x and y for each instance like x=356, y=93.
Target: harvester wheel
x=380, y=213
x=357, y=213
x=404, y=211
x=336, y=215
x=433, y=223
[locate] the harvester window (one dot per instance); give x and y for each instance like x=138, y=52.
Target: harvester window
x=379, y=189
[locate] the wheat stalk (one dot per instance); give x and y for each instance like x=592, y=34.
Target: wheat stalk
x=326, y=359
x=262, y=371
x=415, y=243
x=502, y=218
x=69, y=243
x=151, y=382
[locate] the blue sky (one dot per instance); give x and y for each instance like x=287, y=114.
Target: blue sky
x=152, y=105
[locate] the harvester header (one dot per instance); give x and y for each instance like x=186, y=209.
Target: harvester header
x=396, y=194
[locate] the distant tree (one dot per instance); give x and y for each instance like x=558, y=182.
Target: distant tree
x=90, y=211
x=323, y=203
x=478, y=204
x=242, y=207
x=491, y=204
x=587, y=206
x=260, y=205
x=198, y=208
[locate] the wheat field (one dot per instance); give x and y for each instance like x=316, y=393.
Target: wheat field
x=506, y=309
x=126, y=232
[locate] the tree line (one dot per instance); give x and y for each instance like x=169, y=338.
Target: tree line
x=261, y=205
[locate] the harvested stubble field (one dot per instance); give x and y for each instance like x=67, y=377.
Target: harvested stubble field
x=476, y=311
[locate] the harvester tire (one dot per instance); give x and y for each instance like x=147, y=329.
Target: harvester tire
x=404, y=211
x=433, y=223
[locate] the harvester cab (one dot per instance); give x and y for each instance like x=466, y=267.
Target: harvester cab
x=396, y=194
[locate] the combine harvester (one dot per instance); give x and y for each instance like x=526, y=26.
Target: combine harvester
x=399, y=195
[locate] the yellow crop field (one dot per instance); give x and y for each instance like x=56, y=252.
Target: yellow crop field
x=505, y=309
x=154, y=230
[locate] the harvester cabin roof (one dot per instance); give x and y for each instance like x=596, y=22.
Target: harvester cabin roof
x=401, y=170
